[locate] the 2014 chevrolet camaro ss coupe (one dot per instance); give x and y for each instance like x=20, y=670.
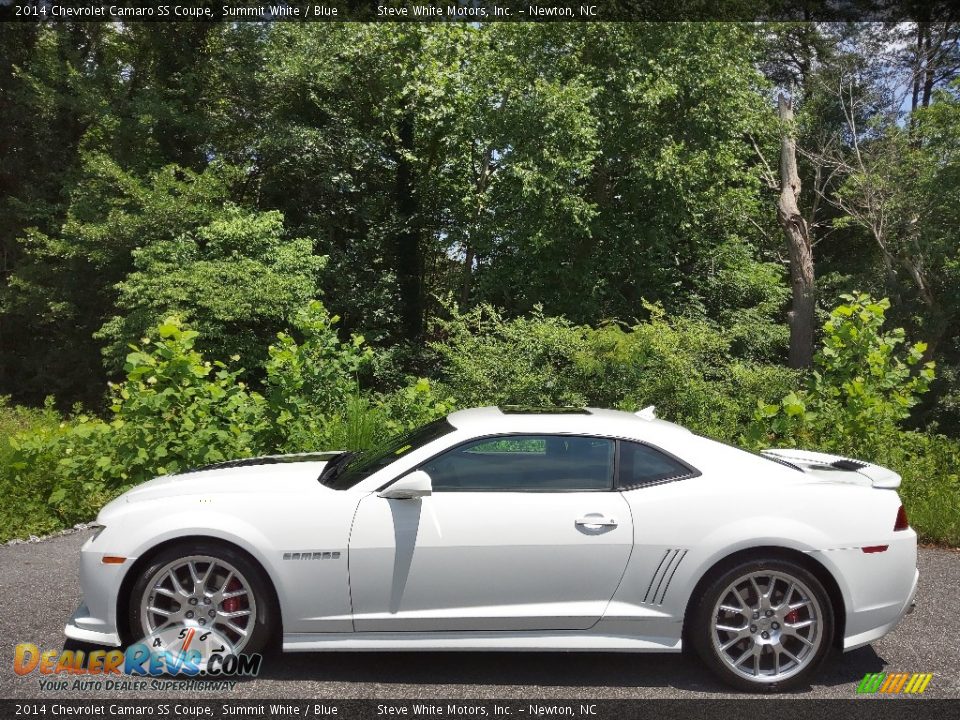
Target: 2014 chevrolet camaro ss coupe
x=516, y=529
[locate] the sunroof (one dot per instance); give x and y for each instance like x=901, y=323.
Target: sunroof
x=532, y=410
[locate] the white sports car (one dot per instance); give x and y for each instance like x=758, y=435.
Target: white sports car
x=516, y=529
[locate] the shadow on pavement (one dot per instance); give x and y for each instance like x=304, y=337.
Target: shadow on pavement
x=580, y=670
x=535, y=669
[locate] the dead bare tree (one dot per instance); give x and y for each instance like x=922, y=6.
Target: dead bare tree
x=796, y=229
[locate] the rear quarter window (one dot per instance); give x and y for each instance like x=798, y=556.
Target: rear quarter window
x=641, y=465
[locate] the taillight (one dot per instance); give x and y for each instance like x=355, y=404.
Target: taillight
x=902, y=523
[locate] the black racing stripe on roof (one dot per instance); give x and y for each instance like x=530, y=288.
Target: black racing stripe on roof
x=531, y=410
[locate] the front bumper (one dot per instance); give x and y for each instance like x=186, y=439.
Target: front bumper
x=95, y=620
x=83, y=626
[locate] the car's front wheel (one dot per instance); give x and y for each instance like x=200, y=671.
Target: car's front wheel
x=208, y=586
x=764, y=625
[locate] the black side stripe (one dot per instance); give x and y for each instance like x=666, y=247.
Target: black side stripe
x=646, y=597
x=676, y=564
x=663, y=576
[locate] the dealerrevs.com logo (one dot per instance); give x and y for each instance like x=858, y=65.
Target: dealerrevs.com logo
x=176, y=652
x=895, y=683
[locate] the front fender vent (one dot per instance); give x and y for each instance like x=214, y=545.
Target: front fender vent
x=660, y=582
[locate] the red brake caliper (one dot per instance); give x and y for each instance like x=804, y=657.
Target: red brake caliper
x=791, y=617
x=232, y=604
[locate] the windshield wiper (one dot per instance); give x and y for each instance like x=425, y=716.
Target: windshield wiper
x=334, y=467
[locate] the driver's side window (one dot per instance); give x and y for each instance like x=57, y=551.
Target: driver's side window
x=525, y=463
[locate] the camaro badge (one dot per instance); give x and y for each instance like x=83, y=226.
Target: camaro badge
x=326, y=555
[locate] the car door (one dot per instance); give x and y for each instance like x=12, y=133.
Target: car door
x=521, y=532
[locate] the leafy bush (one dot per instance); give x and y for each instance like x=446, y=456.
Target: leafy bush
x=235, y=280
x=682, y=365
x=488, y=360
x=28, y=465
x=861, y=390
x=176, y=410
x=930, y=466
x=16, y=419
x=312, y=385
x=415, y=404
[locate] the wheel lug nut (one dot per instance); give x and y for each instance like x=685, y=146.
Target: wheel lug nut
x=212, y=613
x=753, y=628
x=192, y=601
x=206, y=601
x=765, y=635
x=769, y=613
x=756, y=614
x=203, y=621
x=775, y=626
x=189, y=614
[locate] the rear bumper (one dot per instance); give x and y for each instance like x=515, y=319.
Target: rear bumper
x=878, y=587
x=852, y=642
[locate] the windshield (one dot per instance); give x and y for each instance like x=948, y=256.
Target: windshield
x=348, y=469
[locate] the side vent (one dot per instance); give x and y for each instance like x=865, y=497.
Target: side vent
x=660, y=582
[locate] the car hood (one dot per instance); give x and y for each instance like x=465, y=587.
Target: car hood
x=275, y=473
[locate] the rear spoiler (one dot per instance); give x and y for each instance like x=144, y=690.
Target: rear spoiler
x=820, y=463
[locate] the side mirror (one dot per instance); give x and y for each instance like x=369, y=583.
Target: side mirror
x=415, y=485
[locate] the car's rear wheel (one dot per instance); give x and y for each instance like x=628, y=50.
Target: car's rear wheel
x=207, y=586
x=764, y=625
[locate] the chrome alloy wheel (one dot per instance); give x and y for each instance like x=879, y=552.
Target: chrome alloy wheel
x=767, y=626
x=203, y=592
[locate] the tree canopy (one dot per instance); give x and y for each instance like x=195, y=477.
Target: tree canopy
x=228, y=174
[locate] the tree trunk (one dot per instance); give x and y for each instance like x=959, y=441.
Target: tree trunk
x=797, y=233
x=466, y=277
x=929, y=69
x=917, y=69
x=408, y=253
x=480, y=187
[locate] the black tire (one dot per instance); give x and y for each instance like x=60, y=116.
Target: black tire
x=706, y=640
x=266, y=620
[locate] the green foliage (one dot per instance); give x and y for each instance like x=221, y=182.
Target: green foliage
x=487, y=359
x=174, y=411
x=313, y=384
x=746, y=296
x=507, y=164
x=28, y=464
x=416, y=403
x=565, y=175
x=680, y=364
x=234, y=279
x=861, y=390
x=929, y=465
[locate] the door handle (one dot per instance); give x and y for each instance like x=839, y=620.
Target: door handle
x=596, y=521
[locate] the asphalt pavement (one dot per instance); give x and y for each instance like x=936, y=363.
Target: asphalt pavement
x=39, y=589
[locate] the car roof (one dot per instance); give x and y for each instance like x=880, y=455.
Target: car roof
x=589, y=421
